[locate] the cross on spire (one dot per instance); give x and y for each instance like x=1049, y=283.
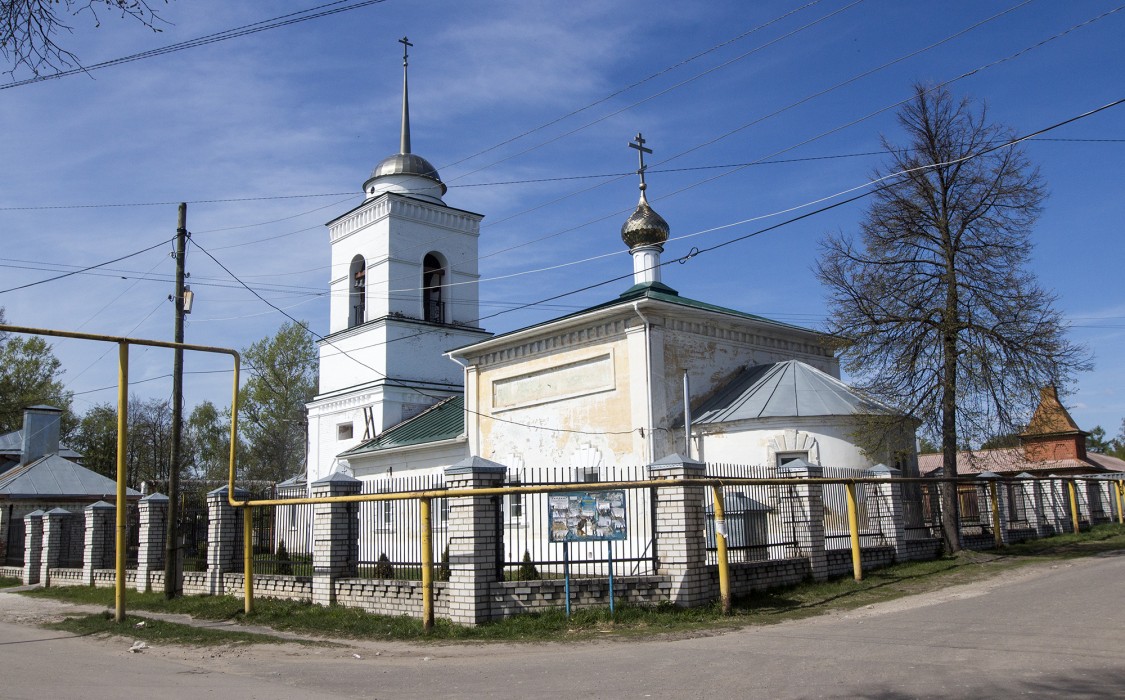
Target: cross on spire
x=639, y=144
x=404, y=141
x=405, y=48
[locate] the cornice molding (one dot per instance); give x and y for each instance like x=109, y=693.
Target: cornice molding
x=389, y=205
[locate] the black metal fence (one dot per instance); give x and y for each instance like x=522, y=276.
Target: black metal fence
x=755, y=516
x=872, y=509
x=390, y=543
x=524, y=522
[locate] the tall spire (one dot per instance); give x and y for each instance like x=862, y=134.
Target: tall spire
x=404, y=172
x=405, y=144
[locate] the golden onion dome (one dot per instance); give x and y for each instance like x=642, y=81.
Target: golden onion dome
x=644, y=226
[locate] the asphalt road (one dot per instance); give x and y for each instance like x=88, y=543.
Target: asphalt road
x=1048, y=631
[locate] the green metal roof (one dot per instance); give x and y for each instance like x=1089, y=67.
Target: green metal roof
x=658, y=292
x=442, y=421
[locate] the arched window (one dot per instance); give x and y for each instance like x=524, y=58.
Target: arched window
x=433, y=275
x=357, y=298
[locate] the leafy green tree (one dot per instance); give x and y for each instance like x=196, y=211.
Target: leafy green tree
x=148, y=450
x=96, y=439
x=1096, y=441
x=933, y=307
x=30, y=375
x=207, y=442
x=282, y=379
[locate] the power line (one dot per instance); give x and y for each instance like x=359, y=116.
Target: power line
x=245, y=30
x=85, y=269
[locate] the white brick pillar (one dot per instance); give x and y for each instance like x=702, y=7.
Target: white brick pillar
x=803, y=515
x=680, y=530
x=224, y=537
x=1058, y=505
x=100, y=542
x=892, y=521
x=152, y=514
x=475, y=540
x=335, y=536
x=55, y=523
x=1031, y=491
x=32, y=546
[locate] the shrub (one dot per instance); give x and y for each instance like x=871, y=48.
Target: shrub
x=384, y=568
x=284, y=563
x=442, y=573
x=528, y=572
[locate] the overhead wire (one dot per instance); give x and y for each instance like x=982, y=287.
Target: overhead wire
x=264, y=25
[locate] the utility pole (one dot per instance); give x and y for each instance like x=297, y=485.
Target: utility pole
x=172, y=583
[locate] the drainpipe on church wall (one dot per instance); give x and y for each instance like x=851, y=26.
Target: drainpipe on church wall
x=470, y=401
x=650, y=457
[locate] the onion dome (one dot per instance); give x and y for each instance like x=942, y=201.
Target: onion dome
x=644, y=227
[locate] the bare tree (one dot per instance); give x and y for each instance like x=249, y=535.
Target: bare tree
x=29, y=29
x=933, y=305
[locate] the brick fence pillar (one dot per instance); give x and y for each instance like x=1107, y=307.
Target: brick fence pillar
x=1058, y=505
x=803, y=515
x=891, y=519
x=55, y=523
x=99, y=543
x=32, y=546
x=475, y=540
x=224, y=538
x=680, y=530
x=335, y=535
x=152, y=514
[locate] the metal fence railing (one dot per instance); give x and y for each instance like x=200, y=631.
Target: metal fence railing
x=389, y=532
x=524, y=521
x=754, y=516
x=871, y=510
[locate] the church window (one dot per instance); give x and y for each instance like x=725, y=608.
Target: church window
x=357, y=298
x=433, y=277
x=589, y=475
x=344, y=431
x=784, y=458
x=515, y=500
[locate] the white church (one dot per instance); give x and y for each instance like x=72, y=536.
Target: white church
x=409, y=384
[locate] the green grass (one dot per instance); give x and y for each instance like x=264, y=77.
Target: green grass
x=10, y=582
x=793, y=602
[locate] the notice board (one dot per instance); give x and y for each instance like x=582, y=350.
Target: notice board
x=587, y=516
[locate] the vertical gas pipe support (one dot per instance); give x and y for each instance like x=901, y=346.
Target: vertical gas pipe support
x=248, y=559
x=1117, y=490
x=122, y=445
x=721, y=548
x=997, y=536
x=427, y=565
x=1073, y=505
x=853, y=530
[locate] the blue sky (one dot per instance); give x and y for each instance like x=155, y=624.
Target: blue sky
x=270, y=119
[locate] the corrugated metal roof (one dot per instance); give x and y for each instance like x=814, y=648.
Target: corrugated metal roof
x=56, y=476
x=442, y=421
x=789, y=389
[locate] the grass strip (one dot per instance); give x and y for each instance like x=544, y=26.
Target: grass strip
x=768, y=607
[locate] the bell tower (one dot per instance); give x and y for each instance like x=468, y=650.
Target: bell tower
x=403, y=291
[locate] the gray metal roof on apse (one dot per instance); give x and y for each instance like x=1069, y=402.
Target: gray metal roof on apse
x=789, y=389
x=55, y=476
